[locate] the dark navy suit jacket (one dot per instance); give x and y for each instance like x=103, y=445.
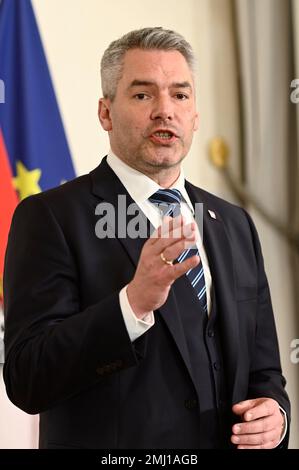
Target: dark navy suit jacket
x=68, y=353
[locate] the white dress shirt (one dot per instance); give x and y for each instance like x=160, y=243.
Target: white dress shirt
x=141, y=187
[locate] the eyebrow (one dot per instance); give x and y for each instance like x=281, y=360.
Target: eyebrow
x=136, y=83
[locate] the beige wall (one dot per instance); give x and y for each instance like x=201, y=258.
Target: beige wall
x=75, y=34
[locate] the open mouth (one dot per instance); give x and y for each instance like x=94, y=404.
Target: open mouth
x=163, y=136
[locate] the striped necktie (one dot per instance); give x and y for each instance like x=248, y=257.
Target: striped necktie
x=168, y=202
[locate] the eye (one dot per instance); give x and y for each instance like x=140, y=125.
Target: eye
x=182, y=96
x=141, y=96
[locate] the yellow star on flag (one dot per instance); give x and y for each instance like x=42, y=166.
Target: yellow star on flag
x=26, y=181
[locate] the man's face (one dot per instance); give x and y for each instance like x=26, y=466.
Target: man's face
x=153, y=116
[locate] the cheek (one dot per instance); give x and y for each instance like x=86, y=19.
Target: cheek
x=133, y=129
x=120, y=126
x=127, y=133
x=124, y=124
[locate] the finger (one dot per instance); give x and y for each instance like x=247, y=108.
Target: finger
x=172, y=228
x=154, y=236
x=177, y=270
x=167, y=226
x=173, y=272
x=243, y=406
x=186, y=231
x=158, y=232
x=176, y=228
x=266, y=408
x=162, y=243
x=170, y=224
x=173, y=251
x=257, y=426
x=256, y=439
x=181, y=229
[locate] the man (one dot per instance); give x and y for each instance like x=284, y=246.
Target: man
x=125, y=342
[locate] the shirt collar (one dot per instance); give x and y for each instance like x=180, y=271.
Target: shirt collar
x=139, y=186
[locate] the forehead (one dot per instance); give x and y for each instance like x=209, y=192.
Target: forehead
x=155, y=65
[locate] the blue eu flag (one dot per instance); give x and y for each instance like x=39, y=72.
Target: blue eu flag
x=30, y=122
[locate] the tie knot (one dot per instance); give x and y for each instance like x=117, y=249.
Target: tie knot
x=168, y=201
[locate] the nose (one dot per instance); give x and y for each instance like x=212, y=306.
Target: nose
x=163, y=109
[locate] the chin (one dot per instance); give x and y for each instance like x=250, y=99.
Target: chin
x=164, y=161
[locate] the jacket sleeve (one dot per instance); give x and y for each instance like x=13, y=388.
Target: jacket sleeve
x=53, y=349
x=266, y=379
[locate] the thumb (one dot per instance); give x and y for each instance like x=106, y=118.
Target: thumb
x=243, y=406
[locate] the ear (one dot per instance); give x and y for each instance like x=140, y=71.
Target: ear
x=196, y=122
x=104, y=114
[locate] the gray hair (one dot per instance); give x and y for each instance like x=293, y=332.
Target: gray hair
x=146, y=38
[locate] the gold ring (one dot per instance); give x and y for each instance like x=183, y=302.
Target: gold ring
x=166, y=261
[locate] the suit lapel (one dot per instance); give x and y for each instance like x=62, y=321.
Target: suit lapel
x=218, y=249
x=107, y=187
